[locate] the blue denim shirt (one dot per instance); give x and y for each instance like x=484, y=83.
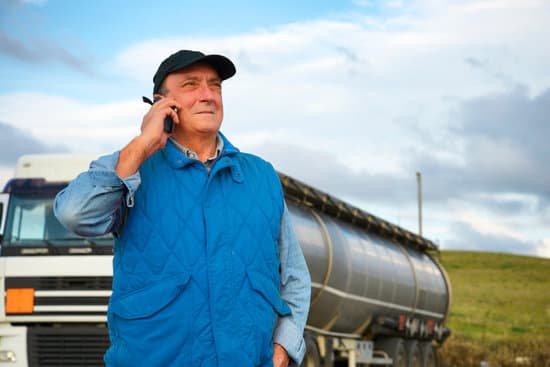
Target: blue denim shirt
x=91, y=206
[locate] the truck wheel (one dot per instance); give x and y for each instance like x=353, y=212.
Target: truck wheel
x=312, y=357
x=395, y=348
x=429, y=357
x=414, y=353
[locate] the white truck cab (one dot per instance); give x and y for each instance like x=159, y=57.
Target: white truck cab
x=55, y=285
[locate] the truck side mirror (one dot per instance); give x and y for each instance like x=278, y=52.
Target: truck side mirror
x=4, y=199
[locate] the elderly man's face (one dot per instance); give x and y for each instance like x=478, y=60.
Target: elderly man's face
x=198, y=91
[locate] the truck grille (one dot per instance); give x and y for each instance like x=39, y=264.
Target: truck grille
x=64, y=296
x=67, y=346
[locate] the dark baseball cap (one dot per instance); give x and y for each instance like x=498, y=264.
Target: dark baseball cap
x=183, y=58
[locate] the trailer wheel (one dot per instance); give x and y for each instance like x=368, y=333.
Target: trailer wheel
x=429, y=356
x=414, y=353
x=312, y=357
x=395, y=348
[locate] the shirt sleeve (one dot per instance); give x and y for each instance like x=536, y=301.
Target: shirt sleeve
x=295, y=291
x=93, y=203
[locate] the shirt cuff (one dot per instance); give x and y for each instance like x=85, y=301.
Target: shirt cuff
x=288, y=335
x=103, y=173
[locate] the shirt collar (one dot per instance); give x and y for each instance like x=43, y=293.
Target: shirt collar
x=178, y=159
x=192, y=155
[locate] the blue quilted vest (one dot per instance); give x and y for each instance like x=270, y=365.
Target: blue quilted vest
x=196, y=266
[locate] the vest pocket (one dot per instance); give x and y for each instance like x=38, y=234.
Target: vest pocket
x=150, y=326
x=263, y=306
x=265, y=287
x=147, y=301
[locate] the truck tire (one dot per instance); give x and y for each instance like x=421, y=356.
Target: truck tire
x=312, y=357
x=395, y=348
x=429, y=356
x=414, y=353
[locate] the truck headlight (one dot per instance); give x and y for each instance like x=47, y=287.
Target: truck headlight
x=7, y=356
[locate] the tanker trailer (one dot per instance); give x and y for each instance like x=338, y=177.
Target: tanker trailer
x=378, y=297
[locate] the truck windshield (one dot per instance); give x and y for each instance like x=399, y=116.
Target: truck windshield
x=31, y=222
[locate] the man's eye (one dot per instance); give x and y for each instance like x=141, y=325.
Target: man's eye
x=189, y=84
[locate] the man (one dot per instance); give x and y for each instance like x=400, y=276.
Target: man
x=207, y=269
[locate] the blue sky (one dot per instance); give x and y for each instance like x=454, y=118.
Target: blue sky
x=353, y=97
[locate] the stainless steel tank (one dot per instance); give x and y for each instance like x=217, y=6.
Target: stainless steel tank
x=361, y=266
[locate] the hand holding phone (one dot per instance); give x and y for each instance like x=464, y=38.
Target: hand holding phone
x=168, y=122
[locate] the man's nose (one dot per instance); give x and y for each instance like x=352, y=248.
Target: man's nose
x=205, y=92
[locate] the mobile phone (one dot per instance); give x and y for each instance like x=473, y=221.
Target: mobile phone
x=168, y=122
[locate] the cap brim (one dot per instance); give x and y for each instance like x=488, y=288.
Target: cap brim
x=224, y=66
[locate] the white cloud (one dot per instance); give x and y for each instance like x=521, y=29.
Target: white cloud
x=365, y=73
x=544, y=249
x=78, y=126
x=488, y=224
x=6, y=172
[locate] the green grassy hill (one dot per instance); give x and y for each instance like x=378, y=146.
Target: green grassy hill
x=498, y=295
x=501, y=304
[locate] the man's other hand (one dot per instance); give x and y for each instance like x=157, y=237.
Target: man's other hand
x=280, y=356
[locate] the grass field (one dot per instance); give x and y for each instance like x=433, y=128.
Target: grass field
x=500, y=309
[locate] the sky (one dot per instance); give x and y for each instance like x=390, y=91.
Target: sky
x=352, y=97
